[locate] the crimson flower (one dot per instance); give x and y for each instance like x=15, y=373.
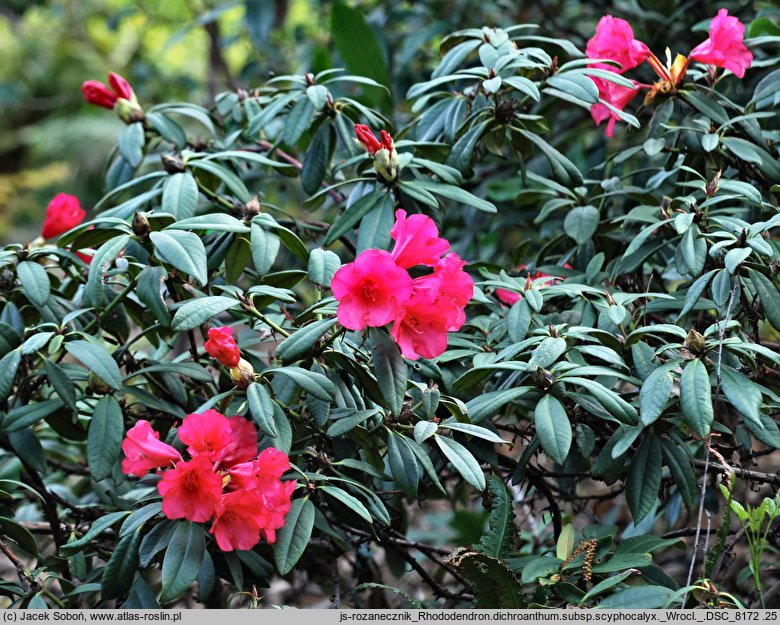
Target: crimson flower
x=63, y=213
x=222, y=347
x=191, y=490
x=145, y=451
x=614, y=41
x=206, y=435
x=417, y=240
x=97, y=93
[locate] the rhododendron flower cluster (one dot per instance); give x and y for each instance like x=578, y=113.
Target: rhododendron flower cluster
x=510, y=297
x=63, y=213
x=376, y=289
x=614, y=41
x=225, y=478
x=223, y=348
x=117, y=95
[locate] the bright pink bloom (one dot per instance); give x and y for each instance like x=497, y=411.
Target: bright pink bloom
x=145, y=451
x=243, y=442
x=222, y=347
x=420, y=329
x=510, y=297
x=278, y=501
x=724, y=47
x=191, y=490
x=453, y=287
x=367, y=138
x=95, y=92
x=239, y=518
x=206, y=435
x=614, y=40
x=617, y=96
x=370, y=290
x=417, y=240
x=269, y=466
x=63, y=213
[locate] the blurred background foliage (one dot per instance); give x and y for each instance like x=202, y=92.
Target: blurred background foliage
x=51, y=141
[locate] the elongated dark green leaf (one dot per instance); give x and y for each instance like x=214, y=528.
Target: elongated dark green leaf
x=323, y=265
x=654, y=394
x=218, y=222
x=581, y=223
x=357, y=44
x=348, y=500
x=316, y=160
x=563, y=169
x=150, y=292
x=300, y=342
x=682, y=471
x=390, y=369
x=553, y=428
x=131, y=143
x=198, y=311
x=25, y=416
x=770, y=298
x=182, y=250
x=98, y=360
x=638, y=597
x=35, y=281
x=180, y=195
x=121, y=567
x=743, y=393
x=403, y=464
x=262, y=408
x=696, y=397
x=353, y=214
x=488, y=404
x=294, y=535
x=298, y=120
x=313, y=383
x=644, y=478
x=182, y=560
x=498, y=539
x=463, y=461
x=98, y=527
x=346, y=424
x=9, y=365
x=104, y=440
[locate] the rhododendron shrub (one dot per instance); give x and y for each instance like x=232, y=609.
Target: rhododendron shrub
x=458, y=342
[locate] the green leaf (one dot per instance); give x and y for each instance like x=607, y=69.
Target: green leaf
x=696, y=397
x=563, y=169
x=547, y=352
x=96, y=529
x=423, y=430
x=654, y=394
x=35, y=342
x=19, y=534
x=35, y=282
x=403, y=464
x=197, y=311
x=322, y=266
x=298, y=120
x=518, y=320
x=315, y=163
x=293, y=537
x=638, y=597
x=390, y=369
x=180, y=195
x=357, y=44
x=456, y=194
x=131, y=143
x=353, y=214
x=644, y=479
x=300, y=342
x=182, y=250
x=348, y=500
x=581, y=223
x=488, y=404
x=218, y=222
x=104, y=440
x=744, y=150
x=106, y=254
x=770, y=298
x=9, y=365
x=463, y=461
x=231, y=181
x=150, y=291
x=734, y=258
x=473, y=430
x=265, y=247
x=182, y=560
x=313, y=383
x=682, y=471
x=498, y=539
x=553, y=428
x=262, y=408
x=121, y=567
x=346, y=424
x=96, y=359
x=743, y=394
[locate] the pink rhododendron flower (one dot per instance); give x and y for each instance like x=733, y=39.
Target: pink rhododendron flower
x=370, y=290
x=95, y=92
x=269, y=467
x=510, y=297
x=63, y=213
x=614, y=40
x=191, y=490
x=145, y=451
x=417, y=240
x=453, y=287
x=206, y=435
x=222, y=347
x=725, y=47
x=420, y=329
x=243, y=442
x=239, y=518
x=617, y=96
x=277, y=498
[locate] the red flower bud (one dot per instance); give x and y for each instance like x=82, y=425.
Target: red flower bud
x=95, y=92
x=120, y=86
x=222, y=347
x=387, y=141
x=63, y=213
x=367, y=138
